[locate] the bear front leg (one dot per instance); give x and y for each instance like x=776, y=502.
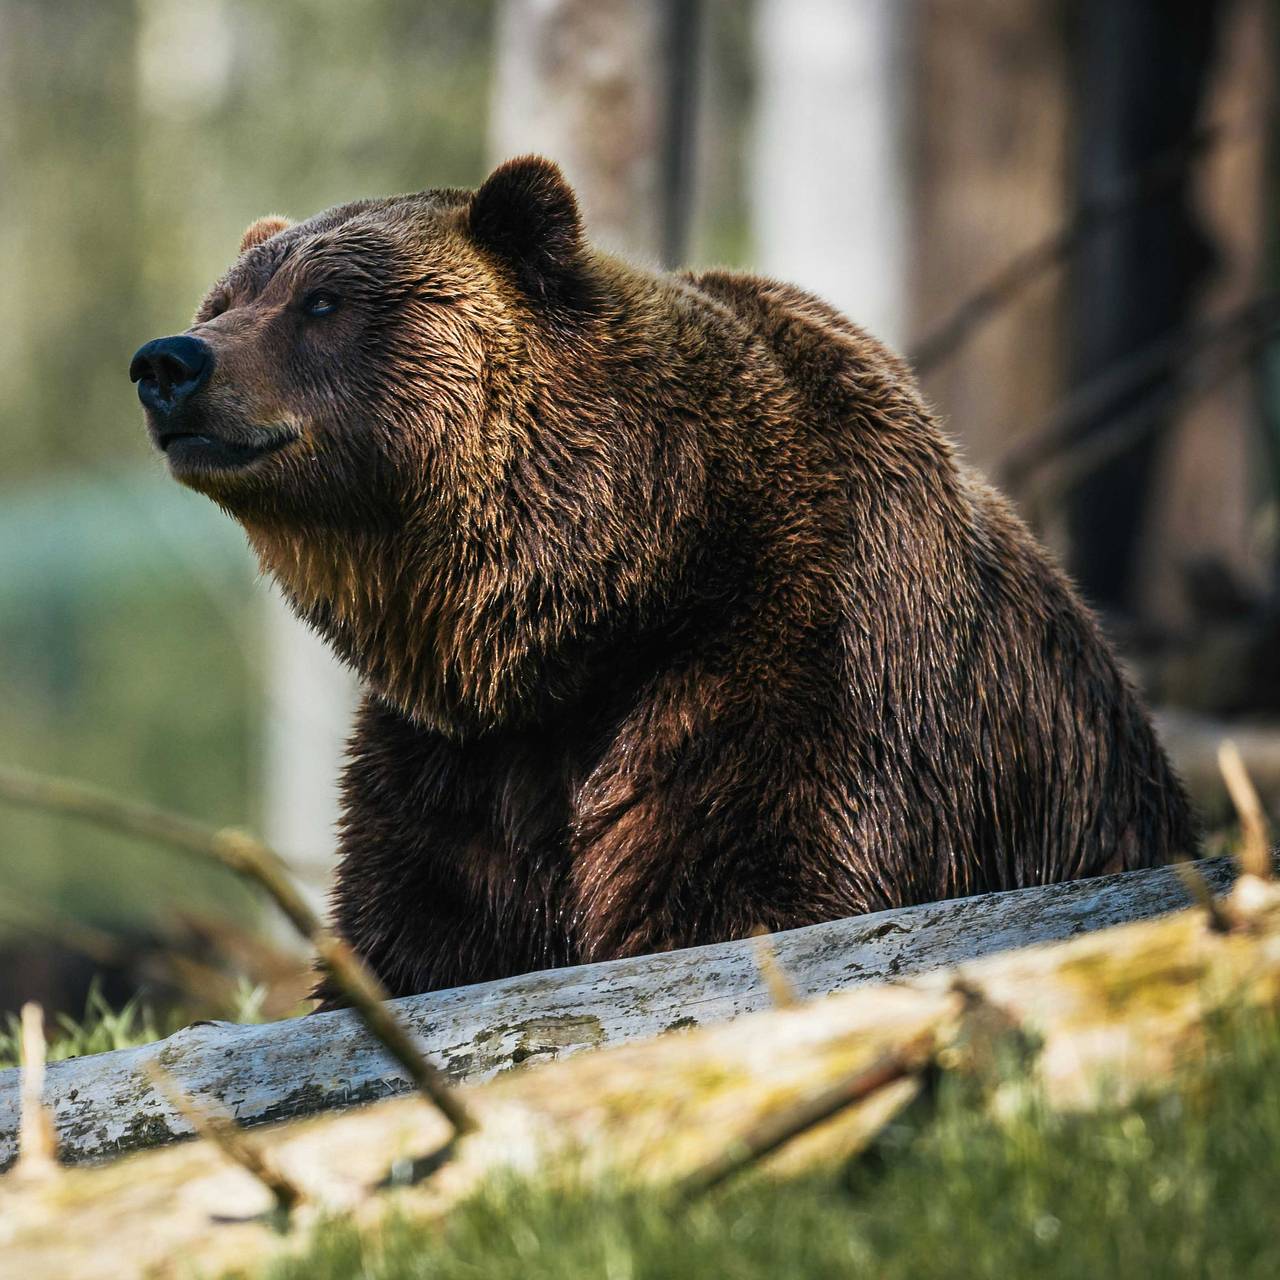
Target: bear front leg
x=729, y=835
x=428, y=892
x=426, y=936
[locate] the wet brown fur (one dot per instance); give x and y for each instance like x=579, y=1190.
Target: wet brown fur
x=677, y=613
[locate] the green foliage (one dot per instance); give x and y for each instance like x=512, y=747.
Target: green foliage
x=1183, y=1183
x=137, y=1022
x=151, y=132
x=100, y=1029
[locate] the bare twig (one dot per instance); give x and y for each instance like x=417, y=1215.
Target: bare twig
x=779, y=1128
x=256, y=861
x=37, y=1143
x=1163, y=174
x=39, y=920
x=1198, y=888
x=781, y=992
x=1255, y=840
x=369, y=1000
x=233, y=849
x=1057, y=437
x=221, y=1129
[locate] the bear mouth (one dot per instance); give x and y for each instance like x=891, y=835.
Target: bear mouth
x=193, y=451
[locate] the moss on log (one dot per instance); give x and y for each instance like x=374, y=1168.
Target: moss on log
x=1110, y=1011
x=106, y=1105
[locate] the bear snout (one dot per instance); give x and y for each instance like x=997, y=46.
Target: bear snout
x=169, y=371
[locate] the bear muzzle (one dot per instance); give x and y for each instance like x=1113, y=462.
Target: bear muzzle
x=169, y=372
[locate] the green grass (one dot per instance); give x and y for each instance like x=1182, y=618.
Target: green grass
x=103, y=1028
x=1182, y=1183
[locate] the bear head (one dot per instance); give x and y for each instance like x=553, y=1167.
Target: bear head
x=412, y=406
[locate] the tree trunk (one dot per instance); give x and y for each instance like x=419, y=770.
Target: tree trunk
x=829, y=194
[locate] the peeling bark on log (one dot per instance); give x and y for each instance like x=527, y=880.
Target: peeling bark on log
x=106, y=1104
x=1113, y=1011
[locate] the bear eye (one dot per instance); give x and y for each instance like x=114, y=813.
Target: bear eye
x=320, y=303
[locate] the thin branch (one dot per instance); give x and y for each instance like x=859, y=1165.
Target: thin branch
x=1198, y=888
x=1117, y=438
x=220, y=1128
x=1147, y=368
x=779, y=1128
x=781, y=991
x=233, y=849
x=1164, y=173
x=1255, y=840
x=35, y=918
x=1148, y=417
x=37, y=1143
x=256, y=861
x=368, y=998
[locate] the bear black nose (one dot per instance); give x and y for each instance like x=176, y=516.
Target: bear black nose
x=169, y=371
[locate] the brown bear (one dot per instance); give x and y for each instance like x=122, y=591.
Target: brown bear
x=676, y=613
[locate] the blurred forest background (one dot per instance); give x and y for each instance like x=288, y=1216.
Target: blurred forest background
x=1063, y=210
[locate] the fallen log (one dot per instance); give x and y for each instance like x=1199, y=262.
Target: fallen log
x=1111, y=1012
x=108, y=1104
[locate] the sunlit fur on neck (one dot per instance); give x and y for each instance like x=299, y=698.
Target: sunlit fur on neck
x=466, y=617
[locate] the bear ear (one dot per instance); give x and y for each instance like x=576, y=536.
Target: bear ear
x=256, y=232
x=527, y=214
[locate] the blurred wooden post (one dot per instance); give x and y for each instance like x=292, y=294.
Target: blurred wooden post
x=1142, y=71
x=608, y=89
x=1210, y=480
x=581, y=82
x=829, y=192
x=990, y=129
